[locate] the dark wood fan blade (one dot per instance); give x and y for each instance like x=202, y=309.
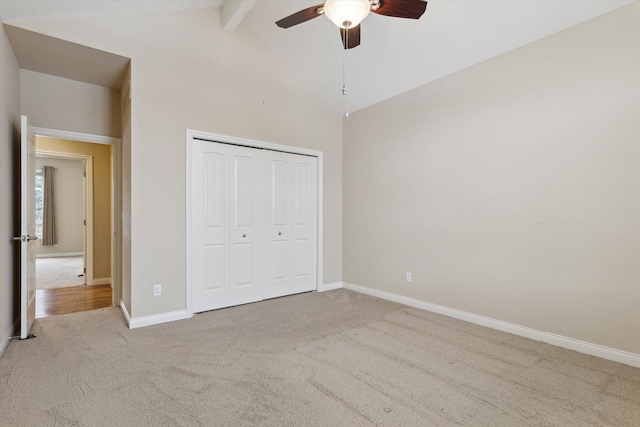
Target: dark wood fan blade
x=300, y=17
x=412, y=9
x=351, y=37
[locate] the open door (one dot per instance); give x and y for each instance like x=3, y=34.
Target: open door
x=27, y=236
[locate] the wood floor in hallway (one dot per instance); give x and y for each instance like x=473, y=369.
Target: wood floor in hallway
x=52, y=302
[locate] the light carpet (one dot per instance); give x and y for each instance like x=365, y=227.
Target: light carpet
x=59, y=272
x=336, y=358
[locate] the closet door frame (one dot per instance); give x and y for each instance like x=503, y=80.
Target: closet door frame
x=193, y=135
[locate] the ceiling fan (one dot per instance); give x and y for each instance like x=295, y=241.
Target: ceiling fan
x=347, y=15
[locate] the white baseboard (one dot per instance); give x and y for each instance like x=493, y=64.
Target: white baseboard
x=7, y=337
x=59, y=255
x=330, y=286
x=102, y=281
x=620, y=356
x=125, y=312
x=156, y=319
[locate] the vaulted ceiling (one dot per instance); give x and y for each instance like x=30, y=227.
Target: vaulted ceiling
x=396, y=55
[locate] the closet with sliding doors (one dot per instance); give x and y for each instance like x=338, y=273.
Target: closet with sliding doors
x=253, y=224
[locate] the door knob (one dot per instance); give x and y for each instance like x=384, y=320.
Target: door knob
x=244, y=235
x=25, y=239
x=279, y=233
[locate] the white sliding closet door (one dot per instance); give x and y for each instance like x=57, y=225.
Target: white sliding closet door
x=246, y=218
x=253, y=224
x=223, y=227
x=292, y=210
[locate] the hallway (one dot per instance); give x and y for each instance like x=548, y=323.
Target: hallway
x=52, y=302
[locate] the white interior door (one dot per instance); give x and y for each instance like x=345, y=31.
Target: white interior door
x=27, y=229
x=291, y=214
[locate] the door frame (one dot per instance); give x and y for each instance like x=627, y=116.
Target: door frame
x=116, y=197
x=250, y=143
x=88, y=204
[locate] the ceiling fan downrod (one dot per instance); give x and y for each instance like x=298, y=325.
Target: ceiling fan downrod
x=344, y=75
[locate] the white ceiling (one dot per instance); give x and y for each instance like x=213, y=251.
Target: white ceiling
x=396, y=55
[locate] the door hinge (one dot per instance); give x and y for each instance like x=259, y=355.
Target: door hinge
x=85, y=222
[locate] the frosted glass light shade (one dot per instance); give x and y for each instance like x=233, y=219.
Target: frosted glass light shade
x=347, y=13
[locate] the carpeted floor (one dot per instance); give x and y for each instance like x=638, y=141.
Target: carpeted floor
x=336, y=358
x=59, y=272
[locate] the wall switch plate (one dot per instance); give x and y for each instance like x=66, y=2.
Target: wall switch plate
x=408, y=278
x=157, y=290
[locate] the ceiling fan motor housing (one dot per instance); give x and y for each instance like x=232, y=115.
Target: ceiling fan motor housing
x=347, y=13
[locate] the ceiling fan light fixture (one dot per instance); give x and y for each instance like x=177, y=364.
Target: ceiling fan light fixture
x=347, y=13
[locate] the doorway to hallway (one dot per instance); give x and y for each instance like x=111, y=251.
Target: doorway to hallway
x=77, y=272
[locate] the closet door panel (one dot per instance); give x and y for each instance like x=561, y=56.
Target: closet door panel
x=278, y=226
x=209, y=226
x=290, y=219
x=246, y=207
x=305, y=173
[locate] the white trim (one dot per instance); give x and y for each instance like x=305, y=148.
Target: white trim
x=156, y=319
x=102, y=281
x=125, y=312
x=213, y=137
x=89, y=217
x=116, y=221
x=188, y=201
x=61, y=155
x=59, y=255
x=320, y=224
x=192, y=134
x=330, y=286
x=7, y=338
x=75, y=136
x=523, y=331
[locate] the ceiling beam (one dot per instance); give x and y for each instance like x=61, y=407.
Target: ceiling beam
x=233, y=12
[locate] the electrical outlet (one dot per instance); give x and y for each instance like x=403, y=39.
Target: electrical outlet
x=408, y=278
x=157, y=290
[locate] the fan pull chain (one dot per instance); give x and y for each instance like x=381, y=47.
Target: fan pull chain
x=344, y=74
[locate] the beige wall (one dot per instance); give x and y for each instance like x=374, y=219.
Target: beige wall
x=56, y=103
x=9, y=143
x=188, y=74
x=68, y=192
x=510, y=189
x=101, y=195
